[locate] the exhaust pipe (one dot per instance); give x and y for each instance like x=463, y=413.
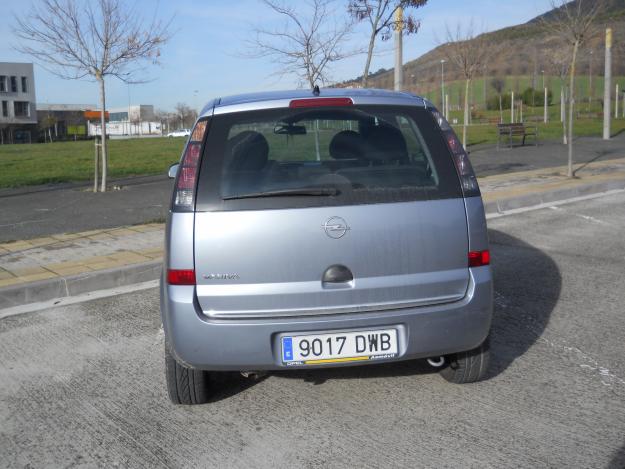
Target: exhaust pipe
x=436, y=362
x=253, y=375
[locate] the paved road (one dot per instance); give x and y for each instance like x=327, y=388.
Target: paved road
x=84, y=384
x=25, y=215
x=488, y=161
x=40, y=211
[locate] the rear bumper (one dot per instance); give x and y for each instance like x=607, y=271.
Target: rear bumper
x=245, y=344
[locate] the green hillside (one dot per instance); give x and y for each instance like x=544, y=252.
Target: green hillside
x=481, y=87
x=516, y=53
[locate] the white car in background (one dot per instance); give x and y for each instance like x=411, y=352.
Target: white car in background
x=180, y=133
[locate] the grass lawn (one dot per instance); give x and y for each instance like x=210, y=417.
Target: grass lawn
x=487, y=133
x=42, y=163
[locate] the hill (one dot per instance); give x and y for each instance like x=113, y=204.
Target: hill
x=518, y=51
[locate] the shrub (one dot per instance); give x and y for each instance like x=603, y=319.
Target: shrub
x=493, y=102
x=533, y=97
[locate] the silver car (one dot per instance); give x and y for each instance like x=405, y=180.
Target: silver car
x=323, y=229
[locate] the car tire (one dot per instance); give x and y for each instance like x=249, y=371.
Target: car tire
x=469, y=366
x=185, y=385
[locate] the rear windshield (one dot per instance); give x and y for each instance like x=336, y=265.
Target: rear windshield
x=333, y=156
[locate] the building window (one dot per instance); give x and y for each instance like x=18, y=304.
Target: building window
x=21, y=109
x=5, y=109
x=3, y=83
x=14, y=84
x=24, y=87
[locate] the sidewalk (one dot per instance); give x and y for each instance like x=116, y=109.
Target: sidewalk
x=63, y=265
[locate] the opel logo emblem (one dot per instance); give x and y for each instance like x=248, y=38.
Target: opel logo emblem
x=336, y=227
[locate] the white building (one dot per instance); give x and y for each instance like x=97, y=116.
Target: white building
x=137, y=112
x=132, y=120
x=18, y=116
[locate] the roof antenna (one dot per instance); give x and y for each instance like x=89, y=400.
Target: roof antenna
x=316, y=90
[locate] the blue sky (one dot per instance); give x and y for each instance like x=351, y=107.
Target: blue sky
x=204, y=59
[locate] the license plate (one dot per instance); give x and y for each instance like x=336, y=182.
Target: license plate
x=339, y=347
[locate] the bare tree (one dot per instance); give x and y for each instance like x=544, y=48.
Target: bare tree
x=498, y=85
x=185, y=115
x=573, y=24
x=91, y=39
x=559, y=64
x=163, y=118
x=306, y=45
x=380, y=14
x=467, y=52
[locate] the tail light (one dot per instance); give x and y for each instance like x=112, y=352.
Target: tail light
x=181, y=277
x=188, y=170
x=479, y=258
x=468, y=181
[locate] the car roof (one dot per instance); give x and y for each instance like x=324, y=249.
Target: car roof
x=278, y=99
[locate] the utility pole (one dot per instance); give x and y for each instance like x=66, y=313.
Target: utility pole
x=443, y=85
x=545, y=116
x=399, y=75
x=590, y=93
x=562, y=99
x=616, y=102
x=512, y=107
x=607, y=84
x=484, y=86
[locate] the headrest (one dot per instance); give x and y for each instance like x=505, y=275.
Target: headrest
x=386, y=143
x=250, y=151
x=347, y=144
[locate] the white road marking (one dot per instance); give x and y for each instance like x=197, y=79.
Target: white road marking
x=554, y=205
x=585, y=217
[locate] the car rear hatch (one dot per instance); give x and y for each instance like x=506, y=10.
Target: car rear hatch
x=327, y=210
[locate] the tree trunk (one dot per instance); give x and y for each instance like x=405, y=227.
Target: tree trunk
x=103, y=134
x=465, y=120
x=569, y=172
x=365, y=73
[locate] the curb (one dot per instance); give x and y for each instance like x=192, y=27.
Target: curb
x=63, y=287
x=52, y=187
x=558, y=195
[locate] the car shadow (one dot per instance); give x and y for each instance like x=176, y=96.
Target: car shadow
x=618, y=459
x=527, y=287
x=228, y=384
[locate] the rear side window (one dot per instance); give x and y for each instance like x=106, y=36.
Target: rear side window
x=317, y=157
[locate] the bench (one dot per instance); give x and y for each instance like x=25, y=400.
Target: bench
x=534, y=118
x=516, y=130
x=590, y=115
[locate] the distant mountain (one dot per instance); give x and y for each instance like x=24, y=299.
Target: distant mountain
x=523, y=49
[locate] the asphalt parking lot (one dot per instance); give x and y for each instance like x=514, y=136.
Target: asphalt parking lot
x=84, y=384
